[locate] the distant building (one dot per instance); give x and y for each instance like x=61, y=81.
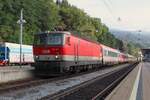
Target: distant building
x=146, y=54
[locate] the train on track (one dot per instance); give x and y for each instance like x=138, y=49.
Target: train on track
x=10, y=54
x=60, y=52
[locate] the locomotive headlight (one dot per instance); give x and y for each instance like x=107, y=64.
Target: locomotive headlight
x=57, y=57
x=36, y=57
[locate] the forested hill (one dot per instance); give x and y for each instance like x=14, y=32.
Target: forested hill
x=141, y=39
x=43, y=15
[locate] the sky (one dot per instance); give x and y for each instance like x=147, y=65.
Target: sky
x=131, y=15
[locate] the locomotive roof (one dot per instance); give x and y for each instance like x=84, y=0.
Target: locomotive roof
x=64, y=32
x=70, y=33
x=59, y=32
x=87, y=39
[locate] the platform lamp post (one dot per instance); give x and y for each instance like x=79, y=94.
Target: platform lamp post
x=21, y=21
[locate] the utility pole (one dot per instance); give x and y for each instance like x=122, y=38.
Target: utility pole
x=21, y=21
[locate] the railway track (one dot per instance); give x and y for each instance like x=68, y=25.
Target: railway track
x=96, y=89
x=26, y=83
x=52, y=87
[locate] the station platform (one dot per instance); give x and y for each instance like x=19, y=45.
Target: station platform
x=15, y=68
x=136, y=86
x=13, y=73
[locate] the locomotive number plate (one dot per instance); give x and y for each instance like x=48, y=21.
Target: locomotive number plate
x=46, y=51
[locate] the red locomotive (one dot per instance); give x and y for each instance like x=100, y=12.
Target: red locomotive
x=60, y=52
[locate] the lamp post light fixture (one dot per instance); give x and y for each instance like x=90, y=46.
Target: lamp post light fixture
x=21, y=21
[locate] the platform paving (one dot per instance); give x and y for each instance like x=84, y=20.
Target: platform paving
x=13, y=73
x=15, y=68
x=124, y=89
x=136, y=86
x=146, y=81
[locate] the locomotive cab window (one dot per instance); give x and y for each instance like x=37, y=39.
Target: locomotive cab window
x=49, y=39
x=55, y=39
x=40, y=39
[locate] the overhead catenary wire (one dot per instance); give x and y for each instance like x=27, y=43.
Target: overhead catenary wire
x=108, y=7
x=108, y=4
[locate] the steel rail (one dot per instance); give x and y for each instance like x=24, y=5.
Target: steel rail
x=101, y=95
x=73, y=89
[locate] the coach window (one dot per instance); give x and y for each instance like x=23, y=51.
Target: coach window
x=105, y=52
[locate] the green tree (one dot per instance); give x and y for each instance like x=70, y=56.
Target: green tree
x=43, y=15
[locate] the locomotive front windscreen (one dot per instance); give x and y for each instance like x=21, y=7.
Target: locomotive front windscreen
x=49, y=39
